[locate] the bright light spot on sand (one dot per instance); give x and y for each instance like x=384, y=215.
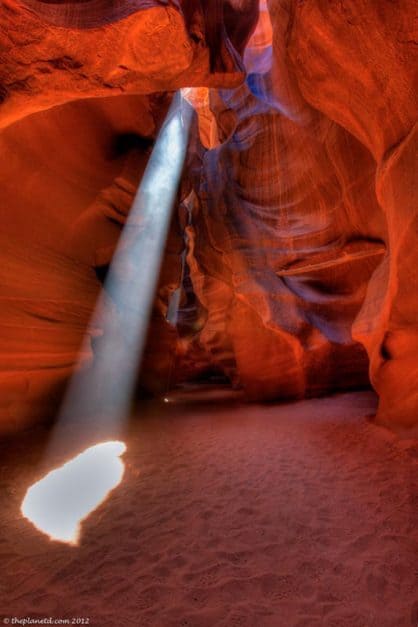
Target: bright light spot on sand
x=58, y=503
x=166, y=400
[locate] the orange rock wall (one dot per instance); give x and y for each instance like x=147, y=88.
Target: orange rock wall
x=358, y=65
x=305, y=237
x=84, y=89
x=299, y=207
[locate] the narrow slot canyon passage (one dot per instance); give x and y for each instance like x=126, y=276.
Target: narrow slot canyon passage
x=302, y=514
x=209, y=313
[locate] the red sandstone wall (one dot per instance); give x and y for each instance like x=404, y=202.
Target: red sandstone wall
x=73, y=85
x=303, y=237
x=358, y=65
x=304, y=240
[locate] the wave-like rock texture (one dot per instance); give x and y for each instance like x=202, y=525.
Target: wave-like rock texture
x=56, y=165
x=84, y=89
x=52, y=53
x=298, y=204
x=281, y=256
x=357, y=63
x=304, y=244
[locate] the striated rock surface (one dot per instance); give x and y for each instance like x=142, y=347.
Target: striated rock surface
x=51, y=53
x=358, y=64
x=297, y=211
x=73, y=158
x=304, y=241
x=47, y=278
x=281, y=257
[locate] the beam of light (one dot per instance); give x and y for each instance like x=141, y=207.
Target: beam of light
x=58, y=503
x=98, y=398
x=102, y=393
x=133, y=275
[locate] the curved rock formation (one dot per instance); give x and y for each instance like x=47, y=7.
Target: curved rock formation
x=281, y=257
x=80, y=164
x=297, y=210
x=358, y=65
x=52, y=53
x=49, y=287
x=293, y=200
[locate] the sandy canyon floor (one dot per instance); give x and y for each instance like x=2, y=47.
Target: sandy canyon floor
x=296, y=515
